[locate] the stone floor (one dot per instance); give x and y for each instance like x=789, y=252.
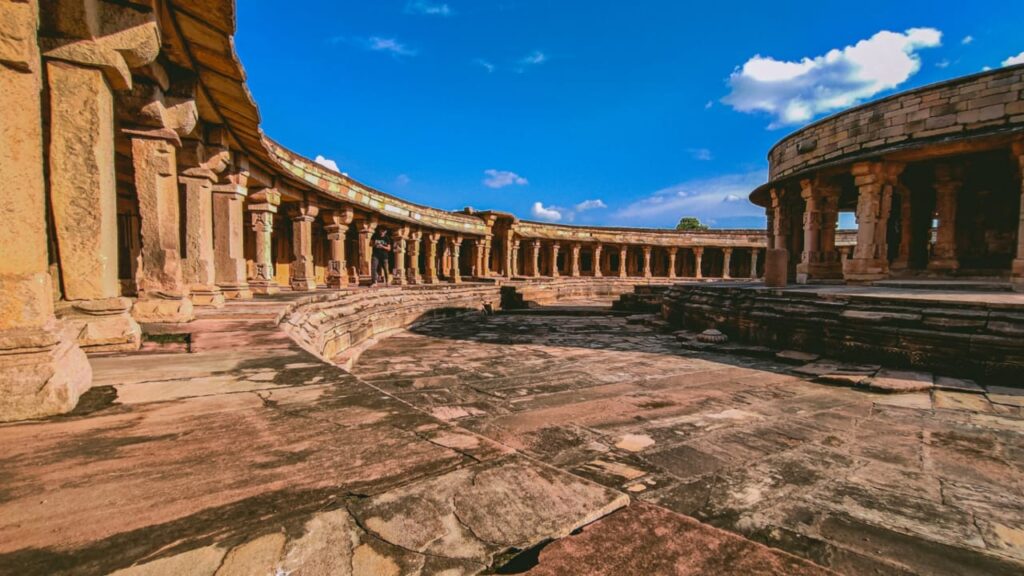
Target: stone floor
x=545, y=444
x=862, y=483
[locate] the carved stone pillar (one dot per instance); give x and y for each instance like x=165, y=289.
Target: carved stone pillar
x=456, y=249
x=575, y=271
x=485, y=264
x=336, y=225
x=83, y=198
x=514, y=264
x=163, y=294
x=198, y=267
x=1017, y=272
x=228, y=244
x=597, y=261
x=698, y=258
x=399, y=240
x=726, y=263
x=415, y=241
x=902, y=260
x=647, y=261
x=874, y=181
x=948, y=182
x=554, y=259
x=262, y=207
x=42, y=369
x=753, y=263
x=535, y=268
x=303, y=274
x=623, y=252
x=432, y=275
x=672, y=251
x=366, y=228
x=819, y=260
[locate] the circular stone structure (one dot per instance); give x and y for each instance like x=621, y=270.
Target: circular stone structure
x=932, y=174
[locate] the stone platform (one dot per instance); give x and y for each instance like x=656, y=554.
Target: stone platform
x=952, y=332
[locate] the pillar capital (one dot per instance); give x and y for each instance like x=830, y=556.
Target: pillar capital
x=303, y=211
x=264, y=200
x=673, y=250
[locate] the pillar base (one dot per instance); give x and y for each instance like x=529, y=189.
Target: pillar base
x=265, y=288
x=865, y=270
x=42, y=373
x=399, y=278
x=163, y=308
x=236, y=292
x=104, y=325
x=206, y=296
x=806, y=273
x=303, y=284
x=944, y=265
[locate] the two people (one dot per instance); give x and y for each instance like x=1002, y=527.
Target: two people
x=381, y=248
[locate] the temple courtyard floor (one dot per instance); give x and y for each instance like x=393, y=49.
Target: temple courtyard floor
x=570, y=441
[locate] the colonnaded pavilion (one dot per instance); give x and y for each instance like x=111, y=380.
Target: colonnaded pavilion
x=196, y=378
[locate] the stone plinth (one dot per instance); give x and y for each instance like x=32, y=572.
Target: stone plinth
x=776, y=267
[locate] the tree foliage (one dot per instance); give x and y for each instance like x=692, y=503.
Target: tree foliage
x=690, y=223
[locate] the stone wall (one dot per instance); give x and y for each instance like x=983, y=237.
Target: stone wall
x=978, y=104
x=522, y=293
x=955, y=338
x=328, y=325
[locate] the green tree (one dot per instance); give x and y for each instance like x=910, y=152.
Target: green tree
x=690, y=223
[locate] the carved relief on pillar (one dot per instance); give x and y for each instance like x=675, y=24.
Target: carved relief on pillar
x=514, y=261
x=875, y=182
x=820, y=259
x=432, y=276
x=456, y=249
x=262, y=207
x=948, y=182
x=336, y=224
x=414, y=244
x=303, y=274
x=597, y=260
x=367, y=226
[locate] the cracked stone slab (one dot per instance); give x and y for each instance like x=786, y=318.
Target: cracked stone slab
x=900, y=381
x=476, y=512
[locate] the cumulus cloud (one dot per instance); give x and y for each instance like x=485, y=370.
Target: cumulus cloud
x=720, y=200
x=547, y=213
x=502, y=178
x=590, y=205
x=327, y=163
x=796, y=91
x=428, y=8
x=1018, y=59
x=389, y=45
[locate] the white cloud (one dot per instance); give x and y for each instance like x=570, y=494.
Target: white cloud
x=1018, y=59
x=403, y=180
x=795, y=92
x=943, y=63
x=327, y=163
x=702, y=154
x=709, y=104
x=390, y=45
x=535, y=58
x=503, y=178
x=428, y=8
x=549, y=213
x=967, y=40
x=590, y=205
x=719, y=199
x=484, y=64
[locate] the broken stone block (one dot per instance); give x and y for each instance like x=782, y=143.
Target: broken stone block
x=900, y=381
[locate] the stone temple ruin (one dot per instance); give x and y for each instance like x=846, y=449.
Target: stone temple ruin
x=195, y=377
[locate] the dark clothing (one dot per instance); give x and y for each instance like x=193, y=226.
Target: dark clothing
x=380, y=257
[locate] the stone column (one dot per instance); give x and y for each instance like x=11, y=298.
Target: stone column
x=536, y=259
x=42, y=369
x=303, y=275
x=336, y=225
x=508, y=246
x=623, y=252
x=597, y=261
x=672, y=251
x=415, y=240
x=647, y=261
x=698, y=261
x=726, y=263
x=902, y=260
x=198, y=267
x=228, y=247
x=163, y=294
x=753, y=263
x=1017, y=271
x=948, y=182
x=514, y=264
x=262, y=207
x=83, y=199
x=555, y=248
x=575, y=271
x=432, y=276
x=874, y=181
x=456, y=248
x=485, y=270
x=399, y=239
x=819, y=260
x=366, y=228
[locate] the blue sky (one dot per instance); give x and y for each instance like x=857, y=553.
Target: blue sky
x=591, y=112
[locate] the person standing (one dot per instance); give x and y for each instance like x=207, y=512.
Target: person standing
x=380, y=255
